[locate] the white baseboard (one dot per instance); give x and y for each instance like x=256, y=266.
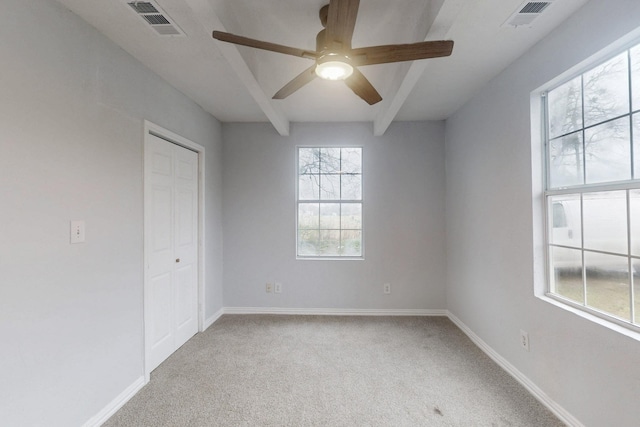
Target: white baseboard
x=117, y=403
x=335, y=311
x=211, y=320
x=554, y=407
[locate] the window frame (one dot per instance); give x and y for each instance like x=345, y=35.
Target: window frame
x=361, y=202
x=580, y=190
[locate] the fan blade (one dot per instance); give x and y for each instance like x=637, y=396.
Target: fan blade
x=302, y=79
x=258, y=44
x=400, y=52
x=341, y=22
x=362, y=87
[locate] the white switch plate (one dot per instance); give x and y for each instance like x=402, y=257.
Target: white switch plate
x=77, y=231
x=277, y=287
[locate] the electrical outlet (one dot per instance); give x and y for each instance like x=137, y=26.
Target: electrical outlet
x=524, y=340
x=277, y=287
x=387, y=288
x=269, y=288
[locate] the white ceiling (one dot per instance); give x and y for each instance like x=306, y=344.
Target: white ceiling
x=235, y=84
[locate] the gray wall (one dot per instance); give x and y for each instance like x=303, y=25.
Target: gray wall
x=403, y=219
x=588, y=369
x=72, y=106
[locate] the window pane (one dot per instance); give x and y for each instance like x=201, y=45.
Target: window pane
x=565, y=108
x=351, y=187
x=565, y=228
x=330, y=216
x=606, y=90
x=566, y=268
x=634, y=199
x=308, y=160
x=330, y=187
x=605, y=221
x=608, y=152
x=566, y=161
x=329, y=160
x=308, y=242
x=608, y=284
x=329, y=243
x=351, y=216
x=636, y=292
x=351, y=242
x=308, y=187
x=308, y=216
x=351, y=160
x=636, y=145
x=635, y=77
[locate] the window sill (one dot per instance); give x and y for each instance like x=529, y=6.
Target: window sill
x=316, y=258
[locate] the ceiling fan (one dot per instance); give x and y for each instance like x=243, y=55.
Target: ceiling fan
x=334, y=57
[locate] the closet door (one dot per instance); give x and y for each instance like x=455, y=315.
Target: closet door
x=171, y=231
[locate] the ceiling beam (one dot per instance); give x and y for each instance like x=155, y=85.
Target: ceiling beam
x=209, y=20
x=443, y=14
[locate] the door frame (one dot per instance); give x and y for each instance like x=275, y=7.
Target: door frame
x=151, y=129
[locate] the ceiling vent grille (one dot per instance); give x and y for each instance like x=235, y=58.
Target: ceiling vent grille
x=527, y=13
x=535, y=7
x=157, y=19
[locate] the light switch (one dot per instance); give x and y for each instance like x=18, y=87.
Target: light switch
x=77, y=231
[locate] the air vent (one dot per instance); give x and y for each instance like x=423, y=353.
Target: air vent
x=534, y=7
x=527, y=13
x=156, y=18
x=143, y=7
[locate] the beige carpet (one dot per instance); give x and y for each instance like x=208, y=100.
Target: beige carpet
x=266, y=370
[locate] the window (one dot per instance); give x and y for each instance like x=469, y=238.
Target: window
x=592, y=192
x=329, y=202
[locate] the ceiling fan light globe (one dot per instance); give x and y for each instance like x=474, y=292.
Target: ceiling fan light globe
x=334, y=70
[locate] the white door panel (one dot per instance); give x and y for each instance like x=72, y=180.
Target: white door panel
x=186, y=305
x=171, y=234
x=160, y=251
x=185, y=221
x=185, y=240
x=160, y=298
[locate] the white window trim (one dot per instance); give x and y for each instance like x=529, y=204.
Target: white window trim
x=361, y=257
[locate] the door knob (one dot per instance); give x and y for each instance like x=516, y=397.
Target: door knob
x=177, y=259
